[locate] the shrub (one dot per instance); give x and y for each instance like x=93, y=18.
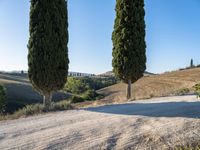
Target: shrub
x=197, y=90
x=183, y=91
x=2, y=99
x=29, y=110
x=62, y=105
x=89, y=95
x=76, y=86
x=151, y=95
x=76, y=99
x=100, y=97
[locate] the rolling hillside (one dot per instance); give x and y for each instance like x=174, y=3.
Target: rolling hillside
x=157, y=85
x=19, y=91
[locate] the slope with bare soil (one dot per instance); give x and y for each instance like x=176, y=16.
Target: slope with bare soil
x=157, y=85
x=159, y=123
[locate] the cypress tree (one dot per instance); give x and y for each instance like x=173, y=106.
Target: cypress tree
x=191, y=63
x=48, y=52
x=129, y=47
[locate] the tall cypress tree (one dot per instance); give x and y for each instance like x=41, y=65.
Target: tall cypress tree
x=129, y=48
x=191, y=63
x=48, y=52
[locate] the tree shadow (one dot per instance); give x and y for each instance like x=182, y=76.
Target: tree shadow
x=165, y=109
x=19, y=95
x=108, y=93
x=15, y=78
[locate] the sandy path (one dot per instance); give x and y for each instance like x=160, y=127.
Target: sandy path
x=149, y=124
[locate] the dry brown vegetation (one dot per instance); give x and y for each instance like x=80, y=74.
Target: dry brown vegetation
x=166, y=84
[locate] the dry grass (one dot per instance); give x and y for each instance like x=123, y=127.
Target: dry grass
x=35, y=109
x=193, y=146
x=155, y=86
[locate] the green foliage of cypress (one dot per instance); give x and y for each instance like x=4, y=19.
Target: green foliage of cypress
x=129, y=47
x=48, y=52
x=192, y=63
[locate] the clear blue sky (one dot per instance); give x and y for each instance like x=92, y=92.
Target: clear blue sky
x=172, y=34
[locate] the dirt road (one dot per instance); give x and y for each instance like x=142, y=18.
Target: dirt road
x=157, y=123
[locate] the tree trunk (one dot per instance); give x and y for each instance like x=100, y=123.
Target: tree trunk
x=47, y=100
x=128, y=96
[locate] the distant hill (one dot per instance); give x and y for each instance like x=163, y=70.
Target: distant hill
x=146, y=73
x=110, y=73
x=157, y=85
x=19, y=91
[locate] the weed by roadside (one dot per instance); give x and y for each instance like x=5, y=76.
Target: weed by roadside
x=36, y=109
x=194, y=146
x=183, y=91
x=197, y=90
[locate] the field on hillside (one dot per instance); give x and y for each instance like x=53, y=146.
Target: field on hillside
x=155, y=86
x=19, y=92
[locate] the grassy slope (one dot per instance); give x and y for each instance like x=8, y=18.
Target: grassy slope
x=158, y=85
x=20, y=92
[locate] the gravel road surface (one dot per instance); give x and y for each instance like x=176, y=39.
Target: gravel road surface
x=158, y=123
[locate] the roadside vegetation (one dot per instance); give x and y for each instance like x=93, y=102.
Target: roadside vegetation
x=193, y=146
x=197, y=90
x=35, y=109
x=183, y=91
x=2, y=99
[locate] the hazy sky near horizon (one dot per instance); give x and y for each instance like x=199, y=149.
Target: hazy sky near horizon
x=172, y=34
